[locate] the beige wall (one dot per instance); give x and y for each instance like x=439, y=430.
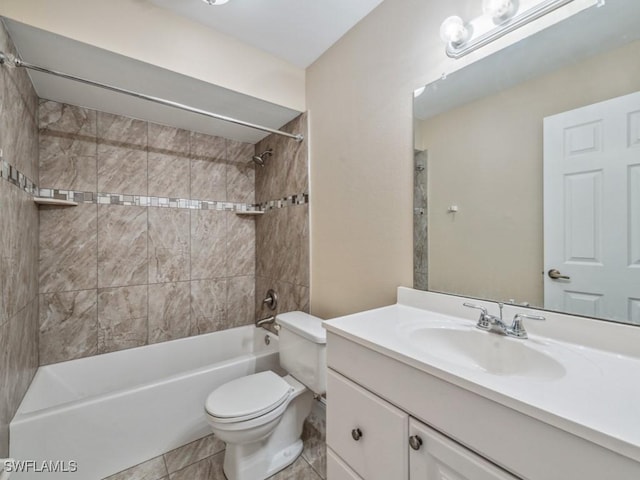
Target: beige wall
x=359, y=95
x=493, y=248
x=360, y=102
x=143, y=31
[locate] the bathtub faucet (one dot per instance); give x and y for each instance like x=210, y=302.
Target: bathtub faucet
x=269, y=320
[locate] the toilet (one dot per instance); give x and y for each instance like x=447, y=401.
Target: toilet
x=260, y=416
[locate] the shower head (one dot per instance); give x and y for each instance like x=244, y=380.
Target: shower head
x=260, y=159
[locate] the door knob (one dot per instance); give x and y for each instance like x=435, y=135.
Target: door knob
x=556, y=275
x=415, y=442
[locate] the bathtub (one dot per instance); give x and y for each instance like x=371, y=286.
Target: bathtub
x=113, y=411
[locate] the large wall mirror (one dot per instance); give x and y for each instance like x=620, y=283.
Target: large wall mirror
x=527, y=171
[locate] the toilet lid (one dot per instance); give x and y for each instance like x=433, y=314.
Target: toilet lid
x=248, y=397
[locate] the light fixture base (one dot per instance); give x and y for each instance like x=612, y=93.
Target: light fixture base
x=507, y=26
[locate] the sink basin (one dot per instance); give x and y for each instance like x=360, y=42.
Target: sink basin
x=495, y=354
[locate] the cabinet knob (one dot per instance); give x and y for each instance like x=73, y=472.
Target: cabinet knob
x=415, y=442
x=356, y=433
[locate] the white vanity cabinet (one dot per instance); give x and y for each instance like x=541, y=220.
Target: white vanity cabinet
x=368, y=433
x=433, y=456
x=389, y=396
x=371, y=439
x=337, y=469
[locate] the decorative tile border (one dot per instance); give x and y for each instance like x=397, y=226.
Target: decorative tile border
x=11, y=174
x=143, y=200
x=166, y=202
x=290, y=201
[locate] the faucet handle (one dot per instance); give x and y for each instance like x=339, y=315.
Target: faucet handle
x=517, y=327
x=477, y=307
x=482, y=321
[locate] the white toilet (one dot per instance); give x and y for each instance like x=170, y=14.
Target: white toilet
x=260, y=416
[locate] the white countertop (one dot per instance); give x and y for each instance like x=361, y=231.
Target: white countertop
x=596, y=396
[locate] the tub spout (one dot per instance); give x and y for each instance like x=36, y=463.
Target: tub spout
x=269, y=320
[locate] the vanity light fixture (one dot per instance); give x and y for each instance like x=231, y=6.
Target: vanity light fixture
x=500, y=10
x=500, y=17
x=454, y=32
x=215, y=2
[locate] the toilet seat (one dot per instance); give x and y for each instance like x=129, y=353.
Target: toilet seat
x=247, y=398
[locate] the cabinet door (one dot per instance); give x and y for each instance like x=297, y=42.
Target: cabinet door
x=337, y=469
x=368, y=433
x=440, y=458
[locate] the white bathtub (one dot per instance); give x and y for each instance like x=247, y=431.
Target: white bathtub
x=113, y=411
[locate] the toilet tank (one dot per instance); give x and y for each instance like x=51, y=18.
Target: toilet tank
x=303, y=349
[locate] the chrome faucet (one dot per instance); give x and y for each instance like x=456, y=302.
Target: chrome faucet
x=493, y=323
x=490, y=323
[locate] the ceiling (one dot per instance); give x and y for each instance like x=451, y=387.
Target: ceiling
x=298, y=31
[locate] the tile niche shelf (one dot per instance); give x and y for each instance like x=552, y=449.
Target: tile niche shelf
x=54, y=202
x=249, y=214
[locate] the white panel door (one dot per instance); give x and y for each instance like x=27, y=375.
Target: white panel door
x=592, y=209
x=440, y=458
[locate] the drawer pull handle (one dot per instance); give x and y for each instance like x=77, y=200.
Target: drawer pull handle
x=356, y=433
x=415, y=442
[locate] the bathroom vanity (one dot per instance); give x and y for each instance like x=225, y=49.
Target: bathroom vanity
x=416, y=391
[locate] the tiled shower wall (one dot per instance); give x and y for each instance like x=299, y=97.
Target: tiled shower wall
x=18, y=239
x=282, y=233
x=282, y=250
x=153, y=251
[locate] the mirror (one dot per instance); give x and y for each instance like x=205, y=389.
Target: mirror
x=527, y=171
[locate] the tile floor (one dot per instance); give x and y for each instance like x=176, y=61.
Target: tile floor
x=202, y=460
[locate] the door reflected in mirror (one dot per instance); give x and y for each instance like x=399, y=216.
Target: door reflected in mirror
x=527, y=171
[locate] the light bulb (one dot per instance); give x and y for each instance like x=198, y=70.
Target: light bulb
x=454, y=31
x=499, y=10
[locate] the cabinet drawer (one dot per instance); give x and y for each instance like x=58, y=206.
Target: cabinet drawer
x=440, y=458
x=337, y=469
x=369, y=434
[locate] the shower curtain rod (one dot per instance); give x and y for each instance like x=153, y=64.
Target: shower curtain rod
x=21, y=63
